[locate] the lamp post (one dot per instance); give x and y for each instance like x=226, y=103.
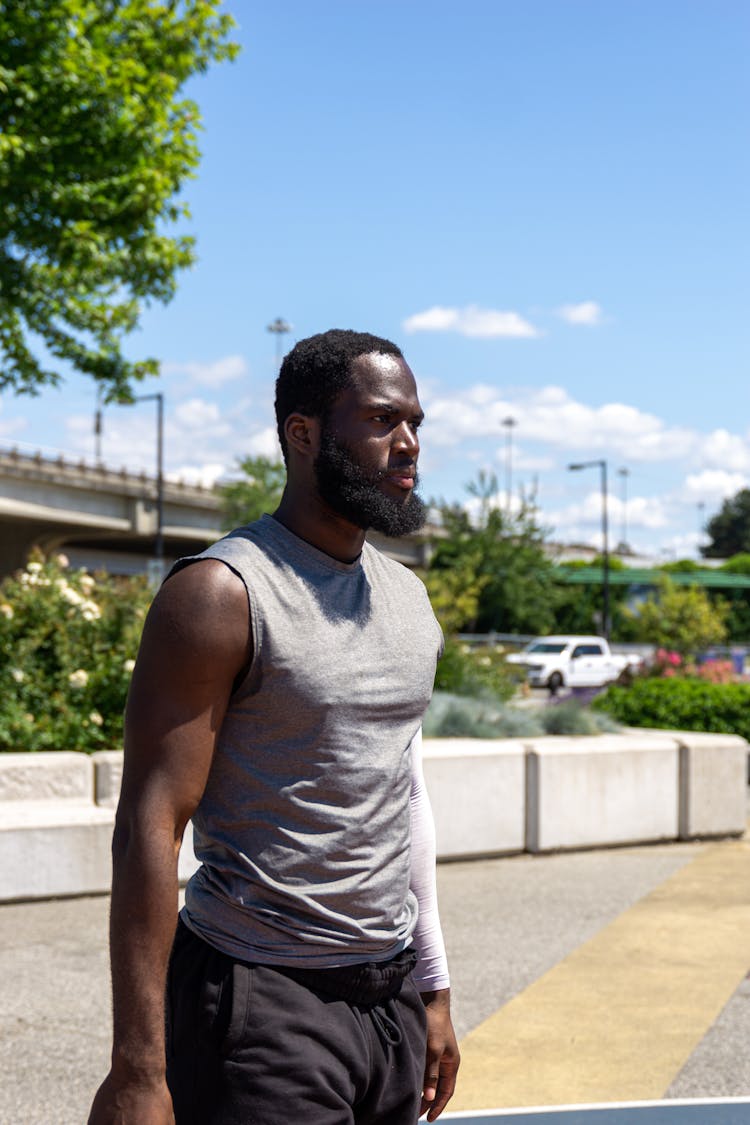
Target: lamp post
x=279, y=328
x=605, y=536
x=624, y=474
x=509, y=423
x=701, y=506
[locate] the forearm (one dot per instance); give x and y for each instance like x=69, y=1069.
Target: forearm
x=431, y=975
x=142, y=926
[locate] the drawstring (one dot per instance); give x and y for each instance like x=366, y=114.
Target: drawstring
x=388, y=1030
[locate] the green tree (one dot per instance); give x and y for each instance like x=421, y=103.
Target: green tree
x=729, y=529
x=579, y=607
x=258, y=491
x=680, y=618
x=737, y=601
x=500, y=559
x=95, y=144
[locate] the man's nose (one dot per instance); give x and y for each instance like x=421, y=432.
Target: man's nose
x=406, y=439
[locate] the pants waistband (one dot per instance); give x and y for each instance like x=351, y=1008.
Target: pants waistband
x=369, y=983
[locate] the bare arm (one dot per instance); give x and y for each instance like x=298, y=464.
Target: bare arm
x=195, y=643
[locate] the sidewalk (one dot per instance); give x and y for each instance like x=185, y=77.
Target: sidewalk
x=623, y=969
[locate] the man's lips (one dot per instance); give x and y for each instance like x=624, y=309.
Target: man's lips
x=402, y=478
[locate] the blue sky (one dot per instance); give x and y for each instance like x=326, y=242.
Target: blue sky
x=543, y=202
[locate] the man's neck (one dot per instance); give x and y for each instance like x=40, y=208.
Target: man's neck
x=321, y=527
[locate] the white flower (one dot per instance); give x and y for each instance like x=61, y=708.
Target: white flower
x=90, y=611
x=79, y=678
x=62, y=560
x=71, y=595
x=33, y=567
x=95, y=718
x=128, y=666
x=87, y=583
x=6, y=610
x=18, y=675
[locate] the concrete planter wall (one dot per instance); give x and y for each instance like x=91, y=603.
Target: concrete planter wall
x=489, y=798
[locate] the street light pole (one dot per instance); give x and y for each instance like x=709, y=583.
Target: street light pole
x=624, y=474
x=279, y=328
x=98, y=427
x=509, y=423
x=605, y=537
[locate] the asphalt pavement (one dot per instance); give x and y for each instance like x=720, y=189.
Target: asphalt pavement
x=580, y=977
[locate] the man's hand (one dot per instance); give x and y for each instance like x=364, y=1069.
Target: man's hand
x=443, y=1057
x=137, y=1103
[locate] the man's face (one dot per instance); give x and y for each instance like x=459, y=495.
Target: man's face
x=366, y=468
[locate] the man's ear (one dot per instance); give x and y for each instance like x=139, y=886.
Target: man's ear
x=303, y=434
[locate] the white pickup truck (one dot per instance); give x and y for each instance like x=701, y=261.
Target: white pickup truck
x=571, y=661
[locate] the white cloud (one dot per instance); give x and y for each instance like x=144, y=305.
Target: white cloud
x=582, y=521
x=12, y=426
x=204, y=475
x=587, y=312
x=551, y=416
x=213, y=374
x=265, y=443
x=471, y=321
x=712, y=485
x=197, y=414
x=724, y=450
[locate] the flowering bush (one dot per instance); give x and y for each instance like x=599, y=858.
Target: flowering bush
x=670, y=664
x=68, y=641
x=717, y=672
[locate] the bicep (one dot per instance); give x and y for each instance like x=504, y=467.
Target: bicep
x=195, y=642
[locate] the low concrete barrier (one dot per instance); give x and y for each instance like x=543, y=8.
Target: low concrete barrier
x=589, y=792
x=489, y=798
x=713, y=773
x=54, y=840
x=477, y=792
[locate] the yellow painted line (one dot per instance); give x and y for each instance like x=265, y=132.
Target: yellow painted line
x=619, y=1017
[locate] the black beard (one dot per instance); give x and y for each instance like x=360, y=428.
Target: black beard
x=355, y=494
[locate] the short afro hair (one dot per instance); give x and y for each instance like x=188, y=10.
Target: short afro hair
x=318, y=369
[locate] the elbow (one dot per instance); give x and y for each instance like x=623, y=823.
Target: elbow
x=143, y=831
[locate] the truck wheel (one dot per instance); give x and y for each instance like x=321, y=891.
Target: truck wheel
x=554, y=683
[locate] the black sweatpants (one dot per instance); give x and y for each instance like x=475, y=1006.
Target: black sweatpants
x=256, y=1045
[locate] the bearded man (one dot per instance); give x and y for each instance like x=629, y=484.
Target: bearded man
x=277, y=702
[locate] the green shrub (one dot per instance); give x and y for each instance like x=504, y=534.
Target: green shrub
x=571, y=718
x=453, y=716
x=481, y=673
x=68, y=640
x=680, y=704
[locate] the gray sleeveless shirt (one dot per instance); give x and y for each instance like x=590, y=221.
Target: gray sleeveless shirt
x=303, y=829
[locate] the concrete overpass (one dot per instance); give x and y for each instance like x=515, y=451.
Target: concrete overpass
x=99, y=516
x=104, y=518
